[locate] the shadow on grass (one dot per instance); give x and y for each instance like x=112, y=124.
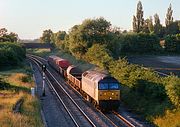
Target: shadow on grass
x=7, y=86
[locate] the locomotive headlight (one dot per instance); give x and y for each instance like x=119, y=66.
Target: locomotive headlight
x=112, y=93
x=110, y=98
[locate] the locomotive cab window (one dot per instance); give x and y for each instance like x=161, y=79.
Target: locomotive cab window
x=108, y=86
x=113, y=86
x=103, y=86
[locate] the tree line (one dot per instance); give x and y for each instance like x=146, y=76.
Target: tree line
x=11, y=52
x=147, y=26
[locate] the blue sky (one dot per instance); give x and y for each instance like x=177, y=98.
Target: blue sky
x=28, y=18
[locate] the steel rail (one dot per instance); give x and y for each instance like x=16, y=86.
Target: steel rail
x=123, y=119
x=84, y=114
x=65, y=107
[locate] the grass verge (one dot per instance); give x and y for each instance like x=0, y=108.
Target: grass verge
x=16, y=84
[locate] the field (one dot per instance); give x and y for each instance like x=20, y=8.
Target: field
x=15, y=85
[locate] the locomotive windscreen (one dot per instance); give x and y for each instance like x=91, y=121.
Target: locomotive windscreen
x=108, y=86
x=109, y=83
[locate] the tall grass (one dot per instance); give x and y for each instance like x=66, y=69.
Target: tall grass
x=29, y=115
x=170, y=119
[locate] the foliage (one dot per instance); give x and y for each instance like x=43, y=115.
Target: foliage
x=172, y=85
x=58, y=38
x=139, y=43
x=98, y=55
x=169, y=18
x=138, y=20
x=172, y=43
x=158, y=28
x=148, y=26
x=142, y=85
x=4, y=36
x=173, y=28
x=91, y=31
x=46, y=36
x=11, y=53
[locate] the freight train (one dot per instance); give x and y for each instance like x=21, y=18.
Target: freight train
x=100, y=89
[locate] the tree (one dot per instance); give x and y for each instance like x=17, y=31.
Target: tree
x=58, y=38
x=91, y=31
x=46, y=36
x=158, y=28
x=169, y=18
x=138, y=21
x=172, y=43
x=148, y=26
x=172, y=28
x=5, y=36
x=3, y=31
x=99, y=55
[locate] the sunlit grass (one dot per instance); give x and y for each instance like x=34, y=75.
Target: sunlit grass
x=170, y=119
x=16, y=79
x=29, y=115
x=19, y=88
x=40, y=52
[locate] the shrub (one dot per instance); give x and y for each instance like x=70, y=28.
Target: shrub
x=99, y=55
x=139, y=43
x=172, y=85
x=172, y=43
x=11, y=53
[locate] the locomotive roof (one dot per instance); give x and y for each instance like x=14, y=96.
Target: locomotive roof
x=94, y=75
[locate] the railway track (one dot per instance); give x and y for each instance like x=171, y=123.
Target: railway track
x=115, y=118
x=77, y=115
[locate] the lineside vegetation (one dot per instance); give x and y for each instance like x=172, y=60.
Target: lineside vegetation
x=15, y=85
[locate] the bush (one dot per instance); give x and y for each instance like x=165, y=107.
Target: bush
x=172, y=85
x=11, y=53
x=139, y=43
x=172, y=43
x=98, y=55
x=26, y=79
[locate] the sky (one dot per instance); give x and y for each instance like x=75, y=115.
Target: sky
x=28, y=18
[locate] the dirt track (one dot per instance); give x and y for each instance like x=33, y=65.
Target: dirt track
x=165, y=64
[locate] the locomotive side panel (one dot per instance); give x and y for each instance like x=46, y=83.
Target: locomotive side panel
x=90, y=88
